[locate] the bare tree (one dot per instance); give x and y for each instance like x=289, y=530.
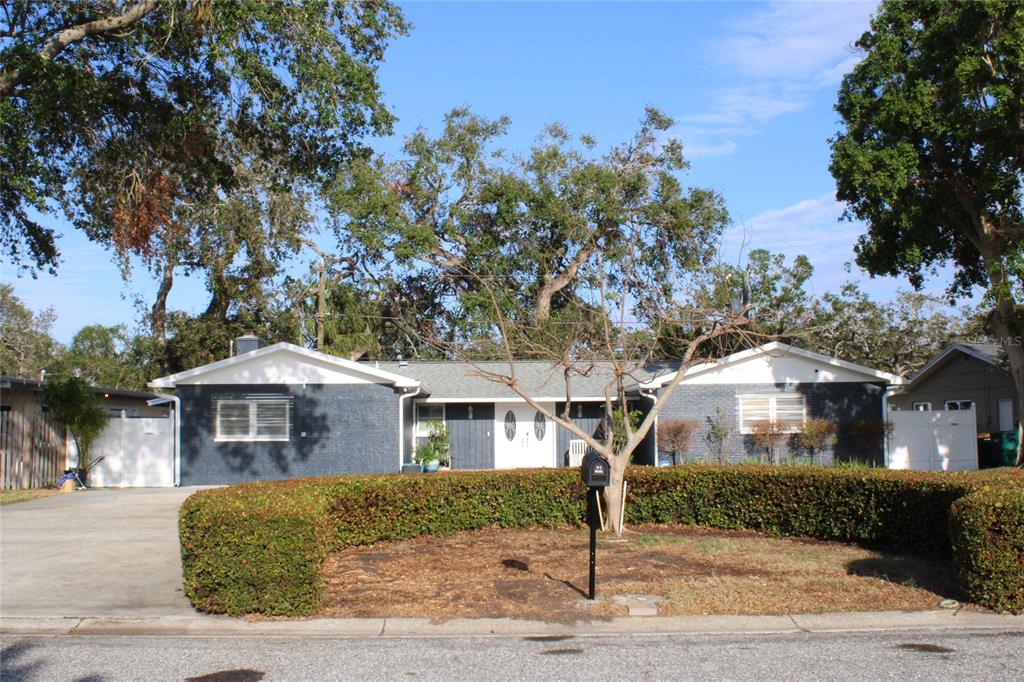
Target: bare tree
x=612, y=330
x=674, y=435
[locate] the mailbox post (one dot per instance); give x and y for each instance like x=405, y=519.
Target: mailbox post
x=596, y=474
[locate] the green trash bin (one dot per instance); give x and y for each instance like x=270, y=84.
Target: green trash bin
x=1005, y=448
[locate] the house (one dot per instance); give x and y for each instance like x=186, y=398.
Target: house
x=285, y=411
x=959, y=378
x=34, y=449
x=785, y=386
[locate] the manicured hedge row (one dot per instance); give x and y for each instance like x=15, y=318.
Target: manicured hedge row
x=988, y=535
x=258, y=548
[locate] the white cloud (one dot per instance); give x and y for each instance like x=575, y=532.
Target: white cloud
x=814, y=228
x=794, y=41
x=781, y=56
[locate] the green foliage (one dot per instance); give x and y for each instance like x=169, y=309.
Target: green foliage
x=717, y=436
x=899, y=336
x=930, y=158
x=618, y=422
x=106, y=356
x=257, y=548
x=197, y=340
x=815, y=437
x=523, y=240
x=76, y=405
x=436, y=447
x=933, y=125
x=129, y=128
x=26, y=347
x=987, y=530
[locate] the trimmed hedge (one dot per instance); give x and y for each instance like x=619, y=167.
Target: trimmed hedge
x=258, y=548
x=988, y=533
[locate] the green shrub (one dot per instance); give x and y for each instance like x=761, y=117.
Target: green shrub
x=258, y=548
x=987, y=530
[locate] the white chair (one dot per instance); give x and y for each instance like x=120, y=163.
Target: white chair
x=577, y=448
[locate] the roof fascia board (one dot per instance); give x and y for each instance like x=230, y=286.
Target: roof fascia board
x=342, y=364
x=768, y=348
x=943, y=357
x=542, y=399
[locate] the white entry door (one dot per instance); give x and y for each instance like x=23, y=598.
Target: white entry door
x=523, y=437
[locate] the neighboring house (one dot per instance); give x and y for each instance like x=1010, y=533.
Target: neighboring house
x=786, y=386
x=284, y=411
x=962, y=376
x=33, y=446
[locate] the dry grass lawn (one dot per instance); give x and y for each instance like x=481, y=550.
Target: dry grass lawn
x=15, y=496
x=542, y=574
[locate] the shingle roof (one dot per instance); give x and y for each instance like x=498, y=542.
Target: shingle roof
x=464, y=380
x=992, y=351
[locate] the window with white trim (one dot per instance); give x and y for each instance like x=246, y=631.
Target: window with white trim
x=253, y=419
x=426, y=415
x=786, y=410
x=922, y=407
x=959, y=404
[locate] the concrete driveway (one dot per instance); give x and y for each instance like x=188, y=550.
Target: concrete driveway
x=97, y=552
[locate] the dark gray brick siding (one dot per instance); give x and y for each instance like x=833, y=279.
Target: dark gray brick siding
x=350, y=429
x=842, y=403
x=590, y=421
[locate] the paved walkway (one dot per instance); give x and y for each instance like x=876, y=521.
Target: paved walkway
x=97, y=552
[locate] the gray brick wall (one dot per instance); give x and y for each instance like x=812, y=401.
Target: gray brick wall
x=842, y=403
x=350, y=429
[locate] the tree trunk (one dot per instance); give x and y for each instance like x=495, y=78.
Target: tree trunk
x=1008, y=327
x=158, y=315
x=613, y=500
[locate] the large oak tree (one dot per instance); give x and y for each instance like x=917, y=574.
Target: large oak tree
x=932, y=154
x=190, y=133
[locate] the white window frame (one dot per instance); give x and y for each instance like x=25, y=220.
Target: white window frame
x=421, y=428
x=772, y=409
x=959, y=402
x=924, y=406
x=252, y=436
x=999, y=413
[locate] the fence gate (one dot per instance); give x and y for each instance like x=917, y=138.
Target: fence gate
x=32, y=450
x=934, y=440
x=137, y=452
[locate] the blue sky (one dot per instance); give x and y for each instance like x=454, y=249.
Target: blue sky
x=751, y=86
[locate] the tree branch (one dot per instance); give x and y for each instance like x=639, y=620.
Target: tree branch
x=62, y=39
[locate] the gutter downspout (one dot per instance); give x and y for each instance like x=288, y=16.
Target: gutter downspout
x=889, y=392
x=177, y=431
x=401, y=424
x=653, y=397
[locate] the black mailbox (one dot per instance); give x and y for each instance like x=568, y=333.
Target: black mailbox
x=595, y=471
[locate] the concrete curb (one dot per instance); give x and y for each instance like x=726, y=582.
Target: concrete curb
x=368, y=628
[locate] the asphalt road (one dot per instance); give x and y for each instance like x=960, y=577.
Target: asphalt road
x=950, y=655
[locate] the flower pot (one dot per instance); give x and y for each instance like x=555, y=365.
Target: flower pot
x=431, y=467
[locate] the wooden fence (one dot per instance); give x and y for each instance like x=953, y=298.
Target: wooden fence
x=33, y=450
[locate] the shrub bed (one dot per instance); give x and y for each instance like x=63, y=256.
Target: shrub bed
x=257, y=548
x=987, y=530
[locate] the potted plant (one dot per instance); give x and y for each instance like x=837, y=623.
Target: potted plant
x=75, y=404
x=434, y=451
